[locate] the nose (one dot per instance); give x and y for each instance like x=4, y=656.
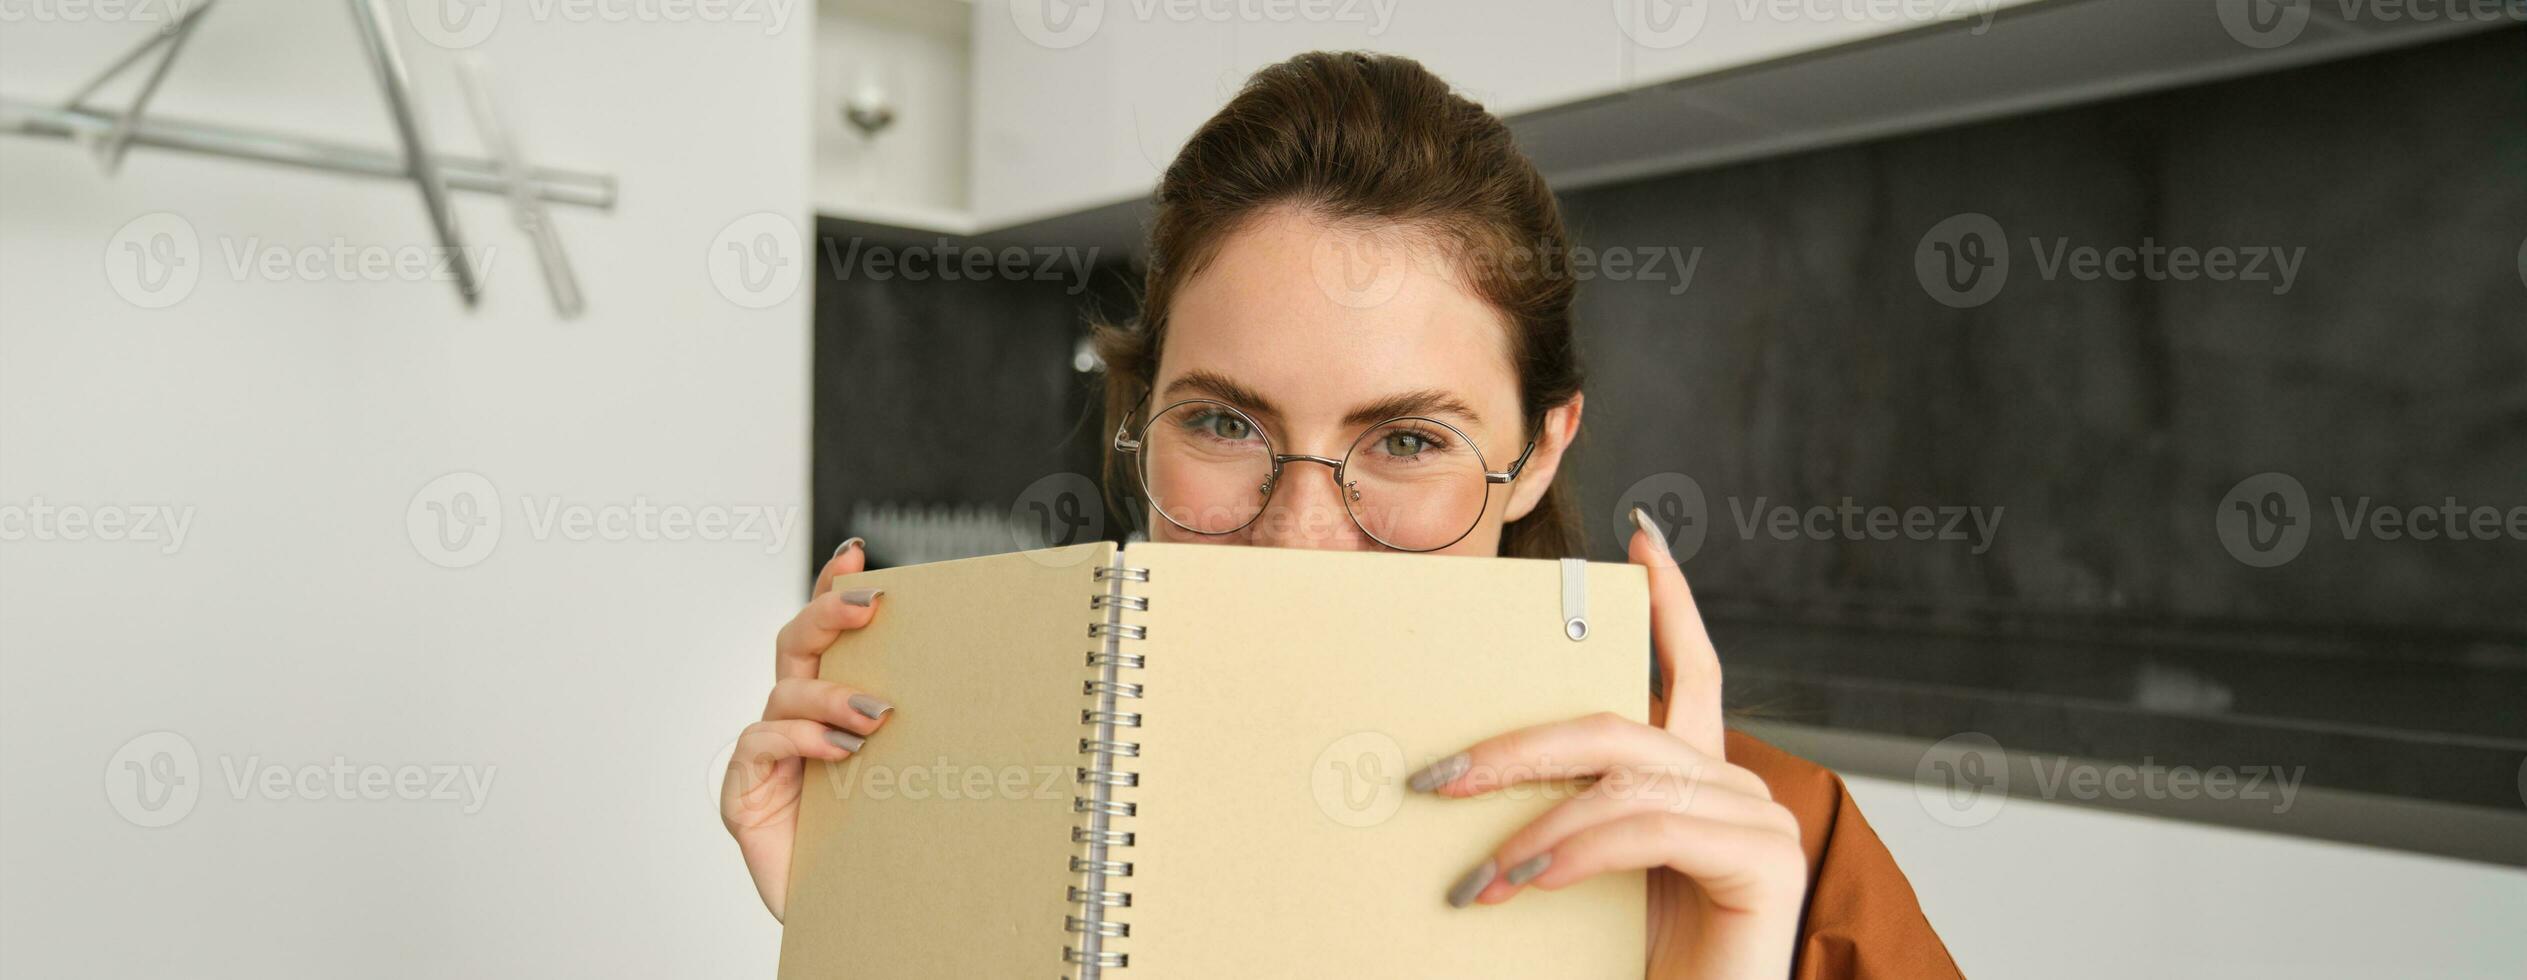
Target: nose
x=1306, y=510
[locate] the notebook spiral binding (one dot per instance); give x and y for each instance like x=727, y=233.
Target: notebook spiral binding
x=1097, y=892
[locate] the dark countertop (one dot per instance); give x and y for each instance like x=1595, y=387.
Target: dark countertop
x=2436, y=721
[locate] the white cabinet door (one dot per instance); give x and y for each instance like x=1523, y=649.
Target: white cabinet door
x=1510, y=55
x=1042, y=122
x=1082, y=103
x=1665, y=40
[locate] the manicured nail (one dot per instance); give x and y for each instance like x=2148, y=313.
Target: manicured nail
x=1641, y=519
x=1472, y=884
x=847, y=741
x=1440, y=773
x=861, y=597
x=1528, y=869
x=870, y=705
x=846, y=545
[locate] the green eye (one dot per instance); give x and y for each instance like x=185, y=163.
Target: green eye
x=1228, y=427
x=1405, y=444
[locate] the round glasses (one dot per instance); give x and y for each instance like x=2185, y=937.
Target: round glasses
x=1410, y=483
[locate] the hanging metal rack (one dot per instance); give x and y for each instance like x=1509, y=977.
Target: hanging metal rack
x=527, y=188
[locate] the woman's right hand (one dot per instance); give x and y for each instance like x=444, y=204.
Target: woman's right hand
x=806, y=718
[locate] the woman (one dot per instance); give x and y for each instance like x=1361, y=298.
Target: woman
x=1346, y=242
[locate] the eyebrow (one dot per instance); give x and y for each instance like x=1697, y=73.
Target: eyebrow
x=1425, y=401
x=1219, y=386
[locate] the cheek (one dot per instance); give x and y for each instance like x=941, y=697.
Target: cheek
x=1484, y=540
x=1169, y=532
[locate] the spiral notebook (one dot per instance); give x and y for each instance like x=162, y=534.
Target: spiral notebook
x=1182, y=761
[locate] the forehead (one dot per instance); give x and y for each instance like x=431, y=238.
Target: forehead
x=1321, y=316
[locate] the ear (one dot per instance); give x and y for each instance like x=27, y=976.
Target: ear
x=1553, y=438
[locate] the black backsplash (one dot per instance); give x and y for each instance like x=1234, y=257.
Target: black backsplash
x=1807, y=362
x=949, y=393
x=2110, y=423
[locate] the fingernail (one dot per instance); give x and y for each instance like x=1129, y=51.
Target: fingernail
x=846, y=545
x=861, y=597
x=1528, y=869
x=870, y=705
x=847, y=741
x=1472, y=884
x=1641, y=519
x=1440, y=773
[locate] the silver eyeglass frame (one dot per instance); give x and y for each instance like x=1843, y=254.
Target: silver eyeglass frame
x=1128, y=443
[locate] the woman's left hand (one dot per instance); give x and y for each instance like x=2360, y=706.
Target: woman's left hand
x=1727, y=875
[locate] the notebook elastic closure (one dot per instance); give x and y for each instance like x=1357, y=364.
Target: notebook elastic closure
x=1575, y=598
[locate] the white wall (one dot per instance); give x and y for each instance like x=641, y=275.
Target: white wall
x=2050, y=890
x=299, y=622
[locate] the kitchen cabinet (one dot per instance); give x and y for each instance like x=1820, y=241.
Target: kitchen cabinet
x=1090, y=114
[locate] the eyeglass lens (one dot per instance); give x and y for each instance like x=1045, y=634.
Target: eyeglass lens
x=1411, y=484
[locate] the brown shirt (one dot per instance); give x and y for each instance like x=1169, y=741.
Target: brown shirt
x=1861, y=918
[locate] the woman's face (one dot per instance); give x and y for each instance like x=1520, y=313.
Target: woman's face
x=1316, y=331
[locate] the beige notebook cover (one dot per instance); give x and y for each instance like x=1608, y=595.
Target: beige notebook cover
x=1178, y=761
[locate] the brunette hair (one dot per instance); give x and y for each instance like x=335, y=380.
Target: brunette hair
x=1371, y=138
